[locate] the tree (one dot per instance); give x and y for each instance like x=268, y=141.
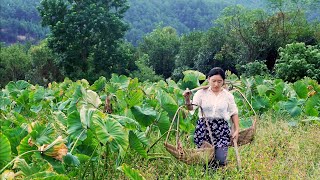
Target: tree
x=188, y=51
x=297, y=61
x=256, y=35
x=85, y=35
x=44, y=68
x=161, y=45
x=14, y=63
x=253, y=69
x=144, y=72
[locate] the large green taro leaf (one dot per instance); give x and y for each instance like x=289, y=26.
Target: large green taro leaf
x=260, y=103
x=75, y=128
x=191, y=79
x=312, y=105
x=144, y=115
x=120, y=81
x=163, y=122
x=15, y=88
x=92, y=99
x=167, y=102
x=127, y=122
x=4, y=103
x=71, y=160
x=108, y=130
x=5, y=150
x=38, y=94
x=42, y=134
x=301, y=89
x=15, y=135
x=278, y=92
x=135, y=97
x=24, y=146
x=262, y=89
x=86, y=116
x=136, y=145
x=293, y=106
x=99, y=84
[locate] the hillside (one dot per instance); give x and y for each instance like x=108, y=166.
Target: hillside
x=20, y=20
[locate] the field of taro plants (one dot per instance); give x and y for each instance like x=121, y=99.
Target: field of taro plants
x=74, y=130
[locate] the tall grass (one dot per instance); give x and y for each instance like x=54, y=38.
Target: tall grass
x=279, y=151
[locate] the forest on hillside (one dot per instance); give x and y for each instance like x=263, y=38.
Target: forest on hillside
x=20, y=20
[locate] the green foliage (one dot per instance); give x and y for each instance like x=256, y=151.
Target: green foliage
x=14, y=63
x=5, y=152
x=20, y=22
x=161, y=45
x=90, y=139
x=44, y=68
x=136, y=144
x=111, y=133
x=131, y=173
x=256, y=35
x=145, y=72
x=86, y=36
x=298, y=61
x=253, y=68
x=188, y=52
x=192, y=79
x=183, y=15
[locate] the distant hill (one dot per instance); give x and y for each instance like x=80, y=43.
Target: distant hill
x=183, y=15
x=20, y=20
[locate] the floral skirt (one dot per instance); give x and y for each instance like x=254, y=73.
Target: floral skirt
x=220, y=132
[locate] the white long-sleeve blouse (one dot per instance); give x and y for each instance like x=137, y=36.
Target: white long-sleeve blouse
x=221, y=106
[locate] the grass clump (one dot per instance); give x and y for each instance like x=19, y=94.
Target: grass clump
x=279, y=151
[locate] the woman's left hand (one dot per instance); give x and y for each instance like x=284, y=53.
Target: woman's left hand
x=235, y=134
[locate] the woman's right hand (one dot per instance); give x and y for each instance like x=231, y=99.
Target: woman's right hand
x=187, y=93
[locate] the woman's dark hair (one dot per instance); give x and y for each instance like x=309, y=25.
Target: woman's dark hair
x=217, y=71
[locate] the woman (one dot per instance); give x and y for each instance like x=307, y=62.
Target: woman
x=218, y=106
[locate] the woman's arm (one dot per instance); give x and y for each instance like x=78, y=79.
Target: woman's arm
x=235, y=128
x=187, y=93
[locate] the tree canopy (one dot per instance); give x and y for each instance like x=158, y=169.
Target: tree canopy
x=86, y=35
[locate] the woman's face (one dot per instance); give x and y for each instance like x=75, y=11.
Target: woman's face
x=216, y=82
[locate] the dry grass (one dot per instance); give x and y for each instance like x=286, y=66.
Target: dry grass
x=278, y=152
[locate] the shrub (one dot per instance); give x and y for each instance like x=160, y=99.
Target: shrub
x=253, y=68
x=298, y=61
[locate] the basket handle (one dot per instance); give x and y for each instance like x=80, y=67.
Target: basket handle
x=176, y=116
x=254, y=112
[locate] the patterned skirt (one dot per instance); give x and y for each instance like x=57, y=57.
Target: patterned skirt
x=220, y=132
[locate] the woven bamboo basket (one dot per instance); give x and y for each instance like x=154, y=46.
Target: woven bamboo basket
x=188, y=155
